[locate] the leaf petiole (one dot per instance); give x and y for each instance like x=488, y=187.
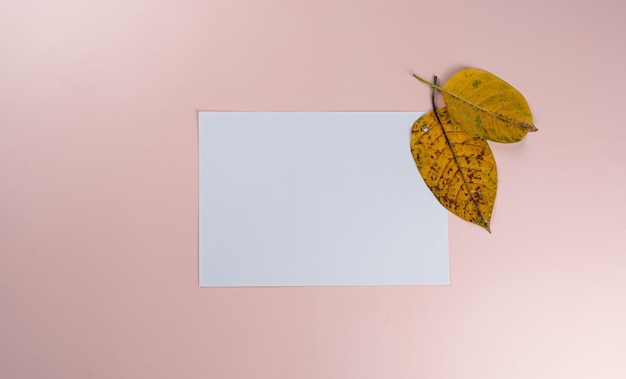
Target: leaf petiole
x=434, y=85
x=432, y=101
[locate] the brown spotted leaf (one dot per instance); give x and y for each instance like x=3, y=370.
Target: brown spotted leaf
x=486, y=106
x=459, y=169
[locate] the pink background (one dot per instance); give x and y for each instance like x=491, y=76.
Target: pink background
x=98, y=181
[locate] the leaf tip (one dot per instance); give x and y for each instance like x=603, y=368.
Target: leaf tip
x=529, y=127
x=485, y=225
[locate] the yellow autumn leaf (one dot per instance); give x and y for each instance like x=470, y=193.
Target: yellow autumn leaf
x=459, y=169
x=486, y=106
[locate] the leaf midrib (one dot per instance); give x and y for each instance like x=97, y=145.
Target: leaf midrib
x=441, y=89
x=485, y=223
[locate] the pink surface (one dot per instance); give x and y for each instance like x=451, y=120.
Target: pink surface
x=98, y=184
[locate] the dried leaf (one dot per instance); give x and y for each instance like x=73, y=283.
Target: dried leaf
x=459, y=169
x=486, y=106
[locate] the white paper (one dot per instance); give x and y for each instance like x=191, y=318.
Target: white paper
x=316, y=199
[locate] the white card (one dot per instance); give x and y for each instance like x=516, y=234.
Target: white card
x=316, y=199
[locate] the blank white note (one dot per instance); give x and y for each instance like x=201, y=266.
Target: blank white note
x=316, y=199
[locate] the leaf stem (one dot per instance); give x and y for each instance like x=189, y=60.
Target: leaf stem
x=433, y=85
x=432, y=102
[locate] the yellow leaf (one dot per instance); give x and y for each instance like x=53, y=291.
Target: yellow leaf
x=486, y=106
x=459, y=169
